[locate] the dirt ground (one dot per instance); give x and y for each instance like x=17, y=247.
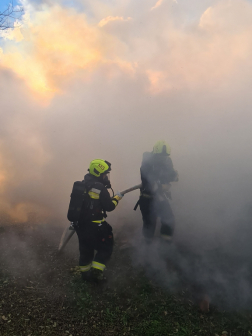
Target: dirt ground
x=42, y=294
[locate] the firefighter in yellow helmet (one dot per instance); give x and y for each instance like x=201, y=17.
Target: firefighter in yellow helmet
x=93, y=231
x=156, y=173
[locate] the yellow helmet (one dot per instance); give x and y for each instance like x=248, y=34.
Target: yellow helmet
x=98, y=167
x=161, y=147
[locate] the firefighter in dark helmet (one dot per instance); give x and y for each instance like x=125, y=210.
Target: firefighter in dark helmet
x=156, y=173
x=93, y=231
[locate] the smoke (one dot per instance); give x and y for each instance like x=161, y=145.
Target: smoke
x=108, y=81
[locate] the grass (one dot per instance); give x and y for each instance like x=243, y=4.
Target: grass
x=45, y=298
x=149, y=310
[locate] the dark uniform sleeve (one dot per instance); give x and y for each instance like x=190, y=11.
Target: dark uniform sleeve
x=108, y=203
x=167, y=172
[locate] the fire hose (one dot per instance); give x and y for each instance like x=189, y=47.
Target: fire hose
x=64, y=240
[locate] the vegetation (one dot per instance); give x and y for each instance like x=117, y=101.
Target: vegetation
x=42, y=294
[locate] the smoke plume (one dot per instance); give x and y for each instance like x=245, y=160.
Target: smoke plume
x=107, y=80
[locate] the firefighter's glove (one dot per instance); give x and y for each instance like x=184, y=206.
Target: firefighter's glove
x=166, y=187
x=118, y=196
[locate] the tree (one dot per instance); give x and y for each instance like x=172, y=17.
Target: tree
x=9, y=16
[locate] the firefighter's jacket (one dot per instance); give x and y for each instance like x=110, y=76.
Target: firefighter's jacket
x=156, y=169
x=97, y=201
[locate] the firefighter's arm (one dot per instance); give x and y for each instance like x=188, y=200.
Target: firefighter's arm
x=108, y=203
x=170, y=174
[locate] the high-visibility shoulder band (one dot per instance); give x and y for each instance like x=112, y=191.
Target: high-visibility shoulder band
x=85, y=268
x=93, y=195
x=115, y=202
x=99, y=221
x=98, y=266
x=97, y=191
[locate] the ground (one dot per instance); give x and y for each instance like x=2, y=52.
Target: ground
x=42, y=294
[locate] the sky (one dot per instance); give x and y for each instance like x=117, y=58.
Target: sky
x=87, y=79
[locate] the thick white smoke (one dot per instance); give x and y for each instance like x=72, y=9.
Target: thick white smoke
x=148, y=73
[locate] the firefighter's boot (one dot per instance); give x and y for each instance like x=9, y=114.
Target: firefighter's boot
x=86, y=276
x=97, y=275
x=85, y=272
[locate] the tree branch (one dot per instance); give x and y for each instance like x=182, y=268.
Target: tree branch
x=9, y=16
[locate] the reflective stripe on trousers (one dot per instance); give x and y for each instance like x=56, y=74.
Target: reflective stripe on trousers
x=85, y=268
x=98, y=266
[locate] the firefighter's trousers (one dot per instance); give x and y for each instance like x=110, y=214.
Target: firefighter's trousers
x=94, y=237
x=151, y=208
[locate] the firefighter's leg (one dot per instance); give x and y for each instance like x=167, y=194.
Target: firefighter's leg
x=167, y=220
x=149, y=217
x=104, y=247
x=86, y=248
